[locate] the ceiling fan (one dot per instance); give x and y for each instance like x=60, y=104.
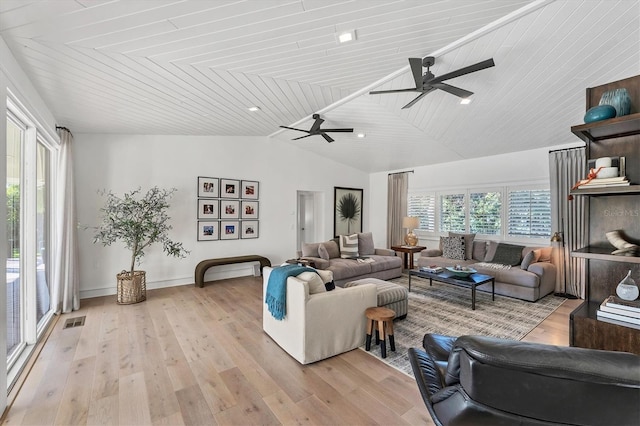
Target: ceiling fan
x=316, y=130
x=428, y=82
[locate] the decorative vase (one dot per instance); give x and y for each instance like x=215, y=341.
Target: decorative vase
x=627, y=288
x=619, y=99
x=600, y=112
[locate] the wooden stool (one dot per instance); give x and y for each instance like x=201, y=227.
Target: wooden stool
x=384, y=318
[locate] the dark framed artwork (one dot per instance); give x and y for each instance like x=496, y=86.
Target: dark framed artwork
x=249, y=190
x=229, y=230
x=249, y=229
x=208, y=230
x=229, y=209
x=229, y=188
x=347, y=210
x=249, y=210
x=208, y=209
x=208, y=187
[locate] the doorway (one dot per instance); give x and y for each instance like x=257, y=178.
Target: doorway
x=309, y=220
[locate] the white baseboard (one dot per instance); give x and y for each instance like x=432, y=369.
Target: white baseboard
x=213, y=274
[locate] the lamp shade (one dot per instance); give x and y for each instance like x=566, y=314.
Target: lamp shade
x=411, y=222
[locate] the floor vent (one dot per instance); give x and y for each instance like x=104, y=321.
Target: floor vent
x=74, y=322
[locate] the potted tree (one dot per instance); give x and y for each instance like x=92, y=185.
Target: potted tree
x=139, y=221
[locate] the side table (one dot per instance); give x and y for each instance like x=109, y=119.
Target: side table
x=408, y=252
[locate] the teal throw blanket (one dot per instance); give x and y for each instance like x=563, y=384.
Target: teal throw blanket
x=276, y=297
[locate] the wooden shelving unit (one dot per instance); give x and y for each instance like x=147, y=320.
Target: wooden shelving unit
x=612, y=208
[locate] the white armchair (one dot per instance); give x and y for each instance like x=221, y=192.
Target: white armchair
x=320, y=325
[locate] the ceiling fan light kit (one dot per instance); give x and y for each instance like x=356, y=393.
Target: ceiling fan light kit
x=428, y=82
x=316, y=130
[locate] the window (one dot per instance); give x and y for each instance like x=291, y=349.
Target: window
x=529, y=213
x=424, y=207
x=485, y=212
x=29, y=215
x=452, y=213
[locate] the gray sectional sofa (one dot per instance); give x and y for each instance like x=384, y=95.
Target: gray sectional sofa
x=383, y=263
x=529, y=280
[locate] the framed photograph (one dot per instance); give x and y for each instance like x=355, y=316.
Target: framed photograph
x=249, y=229
x=229, y=188
x=208, y=209
x=208, y=230
x=229, y=209
x=249, y=190
x=229, y=230
x=208, y=187
x=347, y=210
x=249, y=210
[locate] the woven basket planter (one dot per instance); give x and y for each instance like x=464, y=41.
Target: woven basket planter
x=132, y=290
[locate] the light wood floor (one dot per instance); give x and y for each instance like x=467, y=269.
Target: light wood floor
x=198, y=356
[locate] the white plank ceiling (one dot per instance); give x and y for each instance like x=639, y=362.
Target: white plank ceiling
x=193, y=67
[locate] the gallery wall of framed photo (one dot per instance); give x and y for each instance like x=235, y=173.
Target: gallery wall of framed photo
x=228, y=209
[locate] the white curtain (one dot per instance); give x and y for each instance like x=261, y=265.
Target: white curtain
x=569, y=217
x=397, y=188
x=66, y=288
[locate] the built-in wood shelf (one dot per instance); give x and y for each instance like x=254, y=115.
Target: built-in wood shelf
x=606, y=129
x=612, y=190
x=604, y=253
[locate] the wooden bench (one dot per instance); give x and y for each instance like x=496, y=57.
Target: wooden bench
x=202, y=267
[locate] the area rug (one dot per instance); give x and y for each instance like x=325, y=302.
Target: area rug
x=446, y=309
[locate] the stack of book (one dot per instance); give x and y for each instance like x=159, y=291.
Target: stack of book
x=604, y=182
x=432, y=269
x=620, y=311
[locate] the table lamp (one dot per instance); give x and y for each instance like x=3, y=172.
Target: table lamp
x=410, y=223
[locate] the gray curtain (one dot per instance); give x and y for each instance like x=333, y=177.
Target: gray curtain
x=397, y=188
x=66, y=288
x=569, y=217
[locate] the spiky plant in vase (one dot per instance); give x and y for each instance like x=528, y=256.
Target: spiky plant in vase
x=139, y=221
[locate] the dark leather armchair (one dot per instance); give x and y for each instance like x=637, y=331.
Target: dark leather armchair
x=475, y=380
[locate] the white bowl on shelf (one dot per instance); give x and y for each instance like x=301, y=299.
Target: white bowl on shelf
x=607, y=172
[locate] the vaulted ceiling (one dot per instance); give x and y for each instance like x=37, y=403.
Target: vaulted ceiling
x=193, y=67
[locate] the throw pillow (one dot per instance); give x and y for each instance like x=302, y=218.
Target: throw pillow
x=545, y=254
x=349, y=246
x=453, y=247
x=333, y=249
x=365, y=244
x=529, y=258
x=322, y=252
x=315, y=282
x=508, y=254
x=310, y=249
x=468, y=243
x=327, y=278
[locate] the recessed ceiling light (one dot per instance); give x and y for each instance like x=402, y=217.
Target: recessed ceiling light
x=465, y=101
x=253, y=108
x=346, y=36
x=361, y=135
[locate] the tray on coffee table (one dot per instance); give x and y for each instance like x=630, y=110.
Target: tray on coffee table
x=471, y=281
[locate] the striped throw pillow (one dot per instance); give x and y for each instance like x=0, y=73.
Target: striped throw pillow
x=349, y=246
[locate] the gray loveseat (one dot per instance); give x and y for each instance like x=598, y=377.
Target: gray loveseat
x=528, y=280
x=380, y=263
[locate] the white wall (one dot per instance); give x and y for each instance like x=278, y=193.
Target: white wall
x=511, y=169
x=121, y=163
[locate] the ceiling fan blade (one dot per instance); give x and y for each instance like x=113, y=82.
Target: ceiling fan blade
x=338, y=130
x=410, y=104
x=316, y=125
x=416, y=70
x=327, y=137
x=462, y=71
x=377, y=92
x=293, y=128
x=305, y=136
x=453, y=90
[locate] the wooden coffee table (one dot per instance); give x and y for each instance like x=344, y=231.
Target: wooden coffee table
x=447, y=277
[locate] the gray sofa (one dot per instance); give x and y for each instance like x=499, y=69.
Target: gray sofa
x=383, y=264
x=534, y=281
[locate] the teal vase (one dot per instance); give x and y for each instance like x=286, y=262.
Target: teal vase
x=619, y=99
